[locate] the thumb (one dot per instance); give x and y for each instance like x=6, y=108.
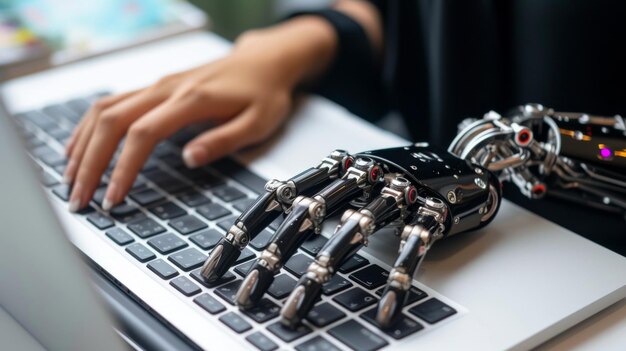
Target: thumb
x=224, y=139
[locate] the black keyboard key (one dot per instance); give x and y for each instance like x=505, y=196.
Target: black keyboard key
x=415, y=294
x=167, y=243
x=243, y=269
x=242, y=205
x=166, y=181
x=98, y=195
x=277, y=222
x=403, y=328
x=172, y=160
x=79, y=107
x=298, y=264
x=314, y=244
x=53, y=159
x=245, y=255
x=371, y=277
x=223, y=280
x=288, y=334
x=336, y=284
x=126, y=213
x=281, y=286
x=227, y=223
x=185, y=286
x=39, y=119
x=241, y=174
x=193, y=198
x=261, y=342
x=140, y=252
x=209, y=181
x=357, y=336
x=353, y=263
x=235, y=322
x=146, y=227
x=188, y=259
x=146, y=197
x=432, y=311
x=355, y=299
x=206, y=239
x=167, y=210
x=86, y=210
x=228, y=291
x=162, y=269
x=263, y=311
x=209, y=303
x=324, y=314
x=261, y=241
x=212, y=211
x=187, y=224
x=100, y=221
x=317, y=343
x=58, y=134
x=62, y=191
x=59, y=112
x=119, y=236
x=228, y=193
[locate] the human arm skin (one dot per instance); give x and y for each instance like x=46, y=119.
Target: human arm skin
x=247, y=95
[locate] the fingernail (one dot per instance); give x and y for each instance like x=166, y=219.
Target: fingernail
x=67, y=178
x=75, y=197
x=110, y=197
x=194, y=157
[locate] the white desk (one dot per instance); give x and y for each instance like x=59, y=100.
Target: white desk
x=605, y=331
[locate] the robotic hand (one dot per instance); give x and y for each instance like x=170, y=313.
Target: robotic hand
x=425, y=194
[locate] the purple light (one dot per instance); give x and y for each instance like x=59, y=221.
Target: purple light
x=605, y=152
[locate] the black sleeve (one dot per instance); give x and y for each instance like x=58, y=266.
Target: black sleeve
x=353, y=79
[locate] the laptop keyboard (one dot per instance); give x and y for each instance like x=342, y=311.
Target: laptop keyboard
x=173, y=216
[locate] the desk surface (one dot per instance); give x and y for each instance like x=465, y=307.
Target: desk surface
x=606, y=330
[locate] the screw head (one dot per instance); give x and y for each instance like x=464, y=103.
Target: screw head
x=451, y=196
x=481, y=184
x=456, y=220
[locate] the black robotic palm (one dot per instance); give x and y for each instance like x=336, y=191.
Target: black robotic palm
x=425, y=193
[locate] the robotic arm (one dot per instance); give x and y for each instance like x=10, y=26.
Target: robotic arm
x=426, y=194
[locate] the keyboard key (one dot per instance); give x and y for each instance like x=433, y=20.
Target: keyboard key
x=200, y=279
x=58, y=134
x=245, y=255
x=235, y=322
x=140, y=252
x=185, y=286
x=126, y=213
x=243, y=204
x=209, y=303
x=355, y=299
x=298, y=264
x=228, y=291
x=317, y=343
x=167, y=243
x=187, y=224
x=288, y=334
x=353, y=263
x=415, y=294
x=357, y=337
x=206, y=239
x=403, y=328
x=277, y=222
x=227, y=223
x=371, y=277
x=263, y=311
x=209, y=181
x=432, y=311
x=172, y=160
x=193, y=198
x=281, y=286
x=243, y=269
x=228, y=193
x=324, y=314
x=62, y=191
x=100, y=221
x=145, y=197
x=336, y=284
x=261, y=341
x=162, y=269
x=78, y=106
x=167, y=210
x=188, y=259
x=146, y=227
x=212, y=211
x=261, y=241
x=53, y=159
x=314, y=244
x=98, y=195
x=39, y=119
x=119, y=236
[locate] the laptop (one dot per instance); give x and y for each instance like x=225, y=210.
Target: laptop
x=507, y=286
